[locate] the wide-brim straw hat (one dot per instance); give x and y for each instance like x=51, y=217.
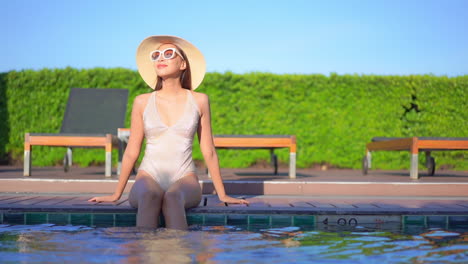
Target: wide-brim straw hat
x=146, y=67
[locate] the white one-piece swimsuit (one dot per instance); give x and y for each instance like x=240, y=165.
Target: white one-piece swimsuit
x=168, y=154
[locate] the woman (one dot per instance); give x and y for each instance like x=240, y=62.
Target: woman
x=168, y=118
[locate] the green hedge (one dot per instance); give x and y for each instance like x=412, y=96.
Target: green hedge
x=333, y=117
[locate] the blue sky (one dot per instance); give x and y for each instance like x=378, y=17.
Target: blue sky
x=385, y=37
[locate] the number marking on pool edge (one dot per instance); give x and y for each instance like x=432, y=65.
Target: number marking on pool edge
x=354, y=220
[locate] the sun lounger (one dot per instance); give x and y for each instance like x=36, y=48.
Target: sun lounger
x=91, y=120
x=270, y=142
x=414, y=145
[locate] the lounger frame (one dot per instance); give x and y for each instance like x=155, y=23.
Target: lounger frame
x=414, y=145
x=261, y=142
x=270, y=142
x=94, y=141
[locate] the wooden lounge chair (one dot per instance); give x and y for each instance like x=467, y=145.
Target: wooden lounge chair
x=270, y=142
x=91, y=120
x=414, y=145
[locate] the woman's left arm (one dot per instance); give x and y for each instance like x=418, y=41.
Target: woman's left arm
x=207, y=147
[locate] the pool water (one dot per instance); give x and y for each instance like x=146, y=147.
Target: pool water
x=50, y=243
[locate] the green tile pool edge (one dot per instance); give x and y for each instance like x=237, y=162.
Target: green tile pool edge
x=433, y=221
x=280, y=220
x=94, y=219
x=129, y=219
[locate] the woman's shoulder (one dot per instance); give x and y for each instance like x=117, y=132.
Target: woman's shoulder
x=141, y=100
x=202, y=101
x=143, y=97
x=200, y=97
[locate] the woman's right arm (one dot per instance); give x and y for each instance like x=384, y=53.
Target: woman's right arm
x=132, y=152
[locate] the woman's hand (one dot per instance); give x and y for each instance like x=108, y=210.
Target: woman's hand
x=109, y=198
x=229, y=199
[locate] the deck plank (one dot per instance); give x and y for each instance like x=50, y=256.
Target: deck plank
x=66, y=201
x=386, y=205
x=317, y=204
x=54, y=201
x=343, y=205
x=213, y=201
x=34, y=200
x=6, y=197
x=237, y=205
x=277, y=202
x=16, y=200
x=301, y=204
x=365, y=205
x=462, y=203
x=258, y=203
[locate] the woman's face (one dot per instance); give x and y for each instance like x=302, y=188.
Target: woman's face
x=169, y=67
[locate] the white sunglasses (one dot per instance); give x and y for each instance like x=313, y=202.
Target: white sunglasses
x=166, y=54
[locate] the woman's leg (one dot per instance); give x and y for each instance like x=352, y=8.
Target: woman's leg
x=146, y=195
x=183, y=194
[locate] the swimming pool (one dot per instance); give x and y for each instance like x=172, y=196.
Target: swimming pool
x=323, y=243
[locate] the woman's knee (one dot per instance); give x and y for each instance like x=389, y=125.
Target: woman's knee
x=147, y=191
x=173, y=197
x=150, y=195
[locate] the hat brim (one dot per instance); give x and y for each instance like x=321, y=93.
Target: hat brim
x=146, y=68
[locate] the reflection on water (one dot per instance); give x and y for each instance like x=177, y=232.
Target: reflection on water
x=229, y=244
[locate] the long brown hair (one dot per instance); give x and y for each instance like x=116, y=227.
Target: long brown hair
x=185, y=77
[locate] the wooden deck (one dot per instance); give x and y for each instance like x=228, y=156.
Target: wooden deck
x=273, y=211
x=315, y=196
x=258, y=205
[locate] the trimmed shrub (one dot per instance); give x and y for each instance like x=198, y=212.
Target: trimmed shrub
x=333, y=117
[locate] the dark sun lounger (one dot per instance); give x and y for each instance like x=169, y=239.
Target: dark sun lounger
x=91, y=120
